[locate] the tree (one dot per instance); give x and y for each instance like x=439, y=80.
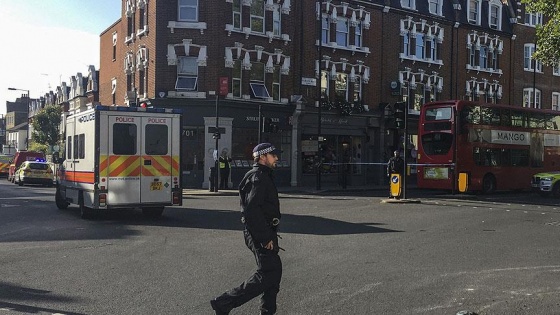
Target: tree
x=46, y=125
x=548, y=34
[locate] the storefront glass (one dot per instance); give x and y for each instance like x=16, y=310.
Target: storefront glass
x=338, y=154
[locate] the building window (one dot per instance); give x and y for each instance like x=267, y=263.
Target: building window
x=142, y=19
x=341, y=86
x=529, y=63
x=342, y=32
x=237, y=14
x=435, y=6
x=420, y=52
x=474, y=11
x=324, y=84
x=257, y=16
x=358, y=35
x=357, y=93
x=419, y=96
x=188, y=10
x=531, y=98
x=409, y=4
x=406, y=44
x=431, y=49
x=495, y=16
x=556, y=70
x=187, y=74
x=325, y=30
x=276, y=84
x=555, y=101
x=236, y=78
x=533, y=19
x=257, y=83
x=483, y=57
x=276, y=21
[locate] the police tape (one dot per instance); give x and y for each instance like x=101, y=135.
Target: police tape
x=385, y=164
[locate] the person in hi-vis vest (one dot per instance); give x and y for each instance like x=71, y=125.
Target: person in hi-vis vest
x=225, y=166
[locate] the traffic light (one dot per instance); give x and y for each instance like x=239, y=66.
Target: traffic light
x=400, y=114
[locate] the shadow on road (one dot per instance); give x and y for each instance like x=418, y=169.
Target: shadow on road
x=13, y=292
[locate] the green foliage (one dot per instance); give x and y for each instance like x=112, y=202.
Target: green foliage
x=37, y=147
x=548, y=35
x=46, y=125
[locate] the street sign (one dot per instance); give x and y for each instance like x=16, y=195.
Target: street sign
x=309, y=81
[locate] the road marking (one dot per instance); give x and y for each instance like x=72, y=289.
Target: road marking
x=6, y=206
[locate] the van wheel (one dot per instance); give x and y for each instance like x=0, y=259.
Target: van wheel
x=488, y=184
x=153, y=212
x=59, y=200
x=85, y=212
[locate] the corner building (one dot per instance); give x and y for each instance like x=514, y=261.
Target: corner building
x=317, y=78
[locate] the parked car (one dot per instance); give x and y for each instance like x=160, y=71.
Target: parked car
x=34, y=172
x=547, y=183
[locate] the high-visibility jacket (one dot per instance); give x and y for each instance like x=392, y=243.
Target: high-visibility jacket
x=224, y=162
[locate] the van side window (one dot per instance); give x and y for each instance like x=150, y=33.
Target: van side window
x=69, y=147
x=124, y=139
x=82, y=146
x=156, y=139
x=76, y=143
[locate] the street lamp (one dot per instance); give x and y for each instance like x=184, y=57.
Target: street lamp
x=27, y=103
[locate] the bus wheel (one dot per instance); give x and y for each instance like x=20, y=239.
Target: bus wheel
x=59, y=200
x=152, y=212
x=556, y=191
x=488, y=184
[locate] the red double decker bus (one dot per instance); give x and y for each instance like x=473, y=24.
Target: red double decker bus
x=499, y=147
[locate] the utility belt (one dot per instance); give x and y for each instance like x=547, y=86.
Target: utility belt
x=273, y=223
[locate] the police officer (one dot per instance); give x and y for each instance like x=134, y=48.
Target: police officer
x=225, y=166
x=395, y=166
x=260, y=215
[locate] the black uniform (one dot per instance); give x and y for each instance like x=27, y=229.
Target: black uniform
x=261, y=215
x=396, y=166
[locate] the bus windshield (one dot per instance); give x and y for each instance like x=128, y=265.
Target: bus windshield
x=442, y=113
x=437, y=143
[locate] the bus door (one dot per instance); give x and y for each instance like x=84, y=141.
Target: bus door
x=157, y=163
x=120, y=166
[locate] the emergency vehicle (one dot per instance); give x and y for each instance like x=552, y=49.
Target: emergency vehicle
x=5, y=164
x=120, y=157
x=20, y=157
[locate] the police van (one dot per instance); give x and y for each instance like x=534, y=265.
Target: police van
x=120, y=157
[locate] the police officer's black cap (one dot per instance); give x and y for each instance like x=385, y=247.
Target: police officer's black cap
x=265, y=148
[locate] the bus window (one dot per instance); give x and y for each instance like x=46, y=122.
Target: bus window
x=442, y=113
x=490, y=116
x=536, y=121
x=437, y=143
x=519, y=157
x=505, y=117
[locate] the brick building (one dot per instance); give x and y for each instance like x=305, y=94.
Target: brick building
x=281, y=57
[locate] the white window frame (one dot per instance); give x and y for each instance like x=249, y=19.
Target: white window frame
x=406, y=44
x=555, y=101
x=435, y=6
x=528, y=51
x=325, y=84
x=531, y=98
x=408, y=4
x=533, y=19
x=472, y=56
x=257, y=4
x=483, y=57
x=344, y=32
x=433, y=49
x=237, y=80
x=276, y=84
x=494, y=4
x=358, y=88
x=473, y=8
x=184, y=76
x=183, y=4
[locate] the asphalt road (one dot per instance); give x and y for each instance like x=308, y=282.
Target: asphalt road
x=345, y=254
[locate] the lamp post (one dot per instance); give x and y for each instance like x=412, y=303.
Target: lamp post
x=27, y=111
x=319, y=98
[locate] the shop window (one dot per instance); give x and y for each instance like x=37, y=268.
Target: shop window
x=339, y=155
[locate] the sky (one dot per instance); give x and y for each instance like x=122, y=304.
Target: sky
x=45, y=42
